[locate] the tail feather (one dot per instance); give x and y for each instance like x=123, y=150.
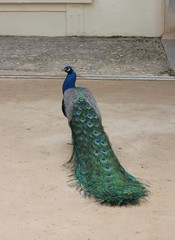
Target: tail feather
x=96, y=170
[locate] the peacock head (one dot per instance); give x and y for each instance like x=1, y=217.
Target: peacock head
x=68, y=69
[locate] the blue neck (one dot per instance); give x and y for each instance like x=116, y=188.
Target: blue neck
x=69, y=82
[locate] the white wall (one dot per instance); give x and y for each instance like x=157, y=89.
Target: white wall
x=82, y=17
x=125, y=17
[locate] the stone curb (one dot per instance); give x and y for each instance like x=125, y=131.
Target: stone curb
x=93, y=77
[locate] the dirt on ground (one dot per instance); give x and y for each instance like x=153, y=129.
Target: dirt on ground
x=36, y=199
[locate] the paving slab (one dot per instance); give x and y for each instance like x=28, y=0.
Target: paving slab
x=36, y=200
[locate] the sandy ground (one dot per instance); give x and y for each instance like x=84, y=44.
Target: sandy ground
x=36, y=201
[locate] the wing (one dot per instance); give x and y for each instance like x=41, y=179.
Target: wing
x=73, y=94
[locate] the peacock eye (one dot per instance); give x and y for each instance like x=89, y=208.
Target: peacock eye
x=108, y=181
x=78, y=112
x=96, y=152
x=109, y=175
x=82, y=137
x=104, y=151
x=89, y=124
x=95, y=116
x=107, y=168
x=103, y=143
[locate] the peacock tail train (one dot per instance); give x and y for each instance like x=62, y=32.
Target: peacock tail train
x=96, y=170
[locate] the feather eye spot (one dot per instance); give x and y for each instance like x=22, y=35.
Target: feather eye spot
x=109, y=175
x=104, y=151
x=84, y=171
x=80, y=107
x=81, y=99
x=82, y=119
x=109, y=186
x=89, y=116
x=95, y=115
x=89, y=124
x=88, y=107
x=82, y=137
x=103, y=160
x=97, y=141
x=96, y=133
x=96, y=152
x=107, y=168
x=103, y=142
x=78, y=112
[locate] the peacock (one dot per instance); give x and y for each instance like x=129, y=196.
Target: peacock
x=96, y=171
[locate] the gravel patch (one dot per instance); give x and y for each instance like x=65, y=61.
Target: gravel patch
x=89, y=56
